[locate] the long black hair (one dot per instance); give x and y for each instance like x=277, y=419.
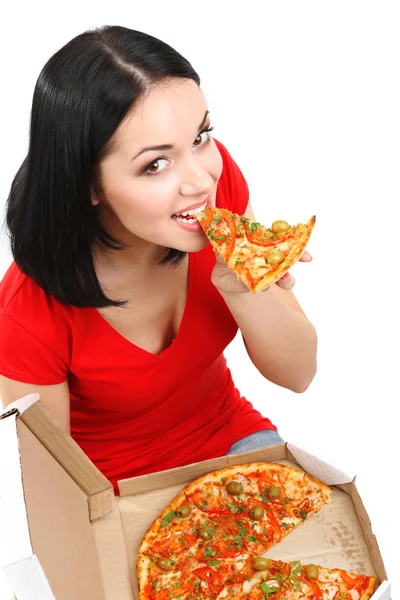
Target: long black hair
x=81, y=96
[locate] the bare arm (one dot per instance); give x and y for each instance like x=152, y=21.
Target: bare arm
x=54, y=397
x=280, y=340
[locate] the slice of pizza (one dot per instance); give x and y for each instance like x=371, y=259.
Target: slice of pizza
x=296, y=581
x=259, y=256
x=258, y=504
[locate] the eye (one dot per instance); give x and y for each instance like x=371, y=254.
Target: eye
x=205, y=130
x=155, y=163
x=149, y=170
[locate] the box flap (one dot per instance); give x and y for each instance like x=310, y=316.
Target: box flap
x=12, y=502
x=27, y=580
x=318, y=468
x=383, y=592
x=69, y=455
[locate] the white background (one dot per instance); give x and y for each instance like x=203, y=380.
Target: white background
x=306, y=97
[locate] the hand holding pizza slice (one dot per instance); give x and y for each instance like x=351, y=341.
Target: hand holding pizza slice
x=258, y=256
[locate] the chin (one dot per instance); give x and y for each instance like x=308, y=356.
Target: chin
x=194, y=245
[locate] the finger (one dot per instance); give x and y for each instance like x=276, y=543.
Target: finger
x=286, y=282
x=219, y=258
x=306, y=257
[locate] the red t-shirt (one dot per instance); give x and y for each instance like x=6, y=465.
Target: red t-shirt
x=133, y=412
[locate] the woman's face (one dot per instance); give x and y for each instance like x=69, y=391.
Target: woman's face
x=145, y=190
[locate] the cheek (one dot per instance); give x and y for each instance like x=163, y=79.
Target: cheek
x=136, y=198
x=214, y=162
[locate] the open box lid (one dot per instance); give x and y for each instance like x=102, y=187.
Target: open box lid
x=91, y=500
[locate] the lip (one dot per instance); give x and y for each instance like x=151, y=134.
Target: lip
x=194, y=206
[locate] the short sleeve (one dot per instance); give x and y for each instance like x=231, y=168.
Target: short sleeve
x=24, y=357
x=232, y=191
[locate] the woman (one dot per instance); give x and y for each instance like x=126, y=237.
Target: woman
x=115, y=309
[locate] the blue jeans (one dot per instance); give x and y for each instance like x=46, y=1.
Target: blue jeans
x=260, y=439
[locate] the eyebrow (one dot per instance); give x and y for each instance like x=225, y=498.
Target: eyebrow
x=169, y=146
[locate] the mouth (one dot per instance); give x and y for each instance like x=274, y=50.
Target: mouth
x=189, y=216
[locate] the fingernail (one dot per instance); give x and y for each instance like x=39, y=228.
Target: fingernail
x=285, y=276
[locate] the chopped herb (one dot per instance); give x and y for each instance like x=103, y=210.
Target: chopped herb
x=212, y=563
x=267, y=590
x=209, y=551
x=167, y=518
x=295, y=567
x=296, y=585
x=253, y=227
x=219, y=238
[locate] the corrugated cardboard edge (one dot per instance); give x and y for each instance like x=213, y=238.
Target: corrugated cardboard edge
x=113, y=556
x=365, y=522
x=68, y=454
x=148, y=483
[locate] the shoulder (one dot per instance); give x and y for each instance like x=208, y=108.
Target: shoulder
x=25, y=306
x=232, y=191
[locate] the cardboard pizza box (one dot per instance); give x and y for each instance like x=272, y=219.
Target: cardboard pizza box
x=73, y=539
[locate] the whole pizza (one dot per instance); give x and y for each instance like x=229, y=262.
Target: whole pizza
x=210, y=541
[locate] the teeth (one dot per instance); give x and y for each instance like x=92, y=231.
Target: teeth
x=181, y=220
x=195, y=211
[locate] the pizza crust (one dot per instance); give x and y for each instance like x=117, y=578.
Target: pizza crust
x=153, y=530
x=230, y=472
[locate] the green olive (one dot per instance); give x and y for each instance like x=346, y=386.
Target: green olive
x=312, y=571
x=234, y=487
x=183, y=511
x=206, y=532
x=257, y=513
x=166, y=564
x=280, y=226
x=275, y=257
x=274, y=492
x=260, y=563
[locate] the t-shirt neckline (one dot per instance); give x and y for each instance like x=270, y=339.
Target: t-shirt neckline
x=137, y=349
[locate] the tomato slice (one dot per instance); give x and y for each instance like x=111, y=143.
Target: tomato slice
x=208, y=500
x=362, y=584
x=214, y=582
x=176, y=543
x=265, y=481
x=316, y=592
x=359, y=582
x=206, y=222
x=274, y=522
x=233, y=234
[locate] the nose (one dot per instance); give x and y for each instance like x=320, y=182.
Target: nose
x=195, y=180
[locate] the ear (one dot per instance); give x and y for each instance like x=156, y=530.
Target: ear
x=95, y=200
